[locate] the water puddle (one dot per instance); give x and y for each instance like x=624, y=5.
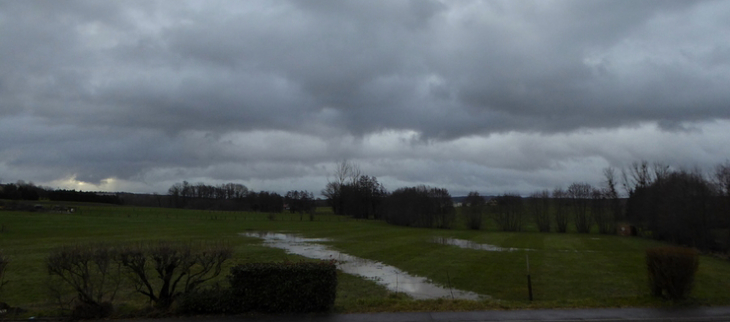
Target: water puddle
x=468, y=244
x=391, y=277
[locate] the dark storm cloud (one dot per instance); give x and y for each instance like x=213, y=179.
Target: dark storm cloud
x=162, y=89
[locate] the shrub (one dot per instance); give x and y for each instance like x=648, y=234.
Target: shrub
x=87, y=311
x=179, y=267
x=92, y=272
x=671, y=271
x=285, y=287
x=216, y=300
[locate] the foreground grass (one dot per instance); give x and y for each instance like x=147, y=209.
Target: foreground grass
x=568, y=270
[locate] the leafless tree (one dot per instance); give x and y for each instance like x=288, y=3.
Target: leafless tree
x=560, y=200
x=611, y=193
x=91, y=270
x=601, y=213
x=163, y=270
x=509, y=212
x=539, y=204
x=580, y=194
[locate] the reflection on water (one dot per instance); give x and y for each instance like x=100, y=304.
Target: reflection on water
x=472, y=245
x=391, y=277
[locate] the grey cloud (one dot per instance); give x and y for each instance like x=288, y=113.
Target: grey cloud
x=130, y=89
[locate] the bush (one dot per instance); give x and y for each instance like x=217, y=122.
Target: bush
x=285, y=287
x=93, y=273
x=88, y=311
x=671, y=271
x=216, y=300
x=165, y=270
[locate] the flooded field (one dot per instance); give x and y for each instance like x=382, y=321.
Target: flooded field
x=468, y=244
x=391, y=277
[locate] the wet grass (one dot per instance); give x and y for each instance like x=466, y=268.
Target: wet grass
x=567, y=270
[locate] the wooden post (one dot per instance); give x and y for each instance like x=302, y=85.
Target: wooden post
x=529, y=281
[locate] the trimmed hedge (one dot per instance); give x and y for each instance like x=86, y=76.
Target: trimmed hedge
x=285, y=287
x=671, y=271
x=215, y=300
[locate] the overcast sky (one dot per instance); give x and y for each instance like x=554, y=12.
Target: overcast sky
x=491, y=96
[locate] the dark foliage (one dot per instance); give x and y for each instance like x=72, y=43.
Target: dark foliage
x=91, y=311
x=202, y=196
x=473, y=209
x=83, y=196
x=285, y=287
x=21, y=191
x=420, y=206
x=671, y=271
x=300, y=202
x=681, y=207
x=215, y=300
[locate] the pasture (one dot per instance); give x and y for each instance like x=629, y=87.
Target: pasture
x=568, y=270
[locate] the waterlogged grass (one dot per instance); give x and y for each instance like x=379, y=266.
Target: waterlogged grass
x=567, y=270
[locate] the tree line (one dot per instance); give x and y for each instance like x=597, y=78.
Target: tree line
x=684, y=207
x=29, y=191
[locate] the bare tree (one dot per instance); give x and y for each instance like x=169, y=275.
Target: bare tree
x=509, y=212
x=539, y=204
x=92, y=271
x=601, y=212
x=611, y=193
x=561, y=209
x=579, y=194
x=174, y=264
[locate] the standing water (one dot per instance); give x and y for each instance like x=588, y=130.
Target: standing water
x=472, y=245
x=391, y=277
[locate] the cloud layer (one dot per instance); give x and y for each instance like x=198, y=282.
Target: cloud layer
x=469, y=95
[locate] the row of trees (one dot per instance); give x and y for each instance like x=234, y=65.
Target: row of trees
x=29, y=191
x=360, y=196
x=685, y=207
x=300, y=202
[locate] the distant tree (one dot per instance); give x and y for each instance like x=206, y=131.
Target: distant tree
x=473, y=209
x=539, y=205
x=509, y=212
x=354, y=194
x=610, y=191
x=580, y=194
x=420, y=206
x=560, y=200
x=300, y=202
x=601, y=212
x=444, y=213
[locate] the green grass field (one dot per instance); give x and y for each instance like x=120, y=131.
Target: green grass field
x=568, y=270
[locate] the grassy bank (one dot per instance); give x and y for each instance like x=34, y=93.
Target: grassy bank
x=568, y=270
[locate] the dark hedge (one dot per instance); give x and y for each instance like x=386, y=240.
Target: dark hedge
x=285, y=287
x=671, y=271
